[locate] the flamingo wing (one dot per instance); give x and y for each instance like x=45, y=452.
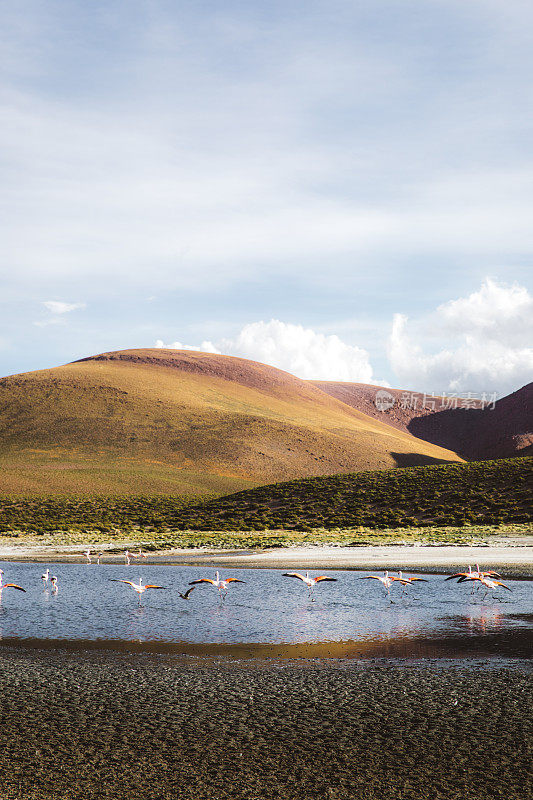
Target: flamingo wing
x=233, y=580
x=122, y=580
x=13, y=586
x=499, y=583
x=425, y=580
x=457, y=575
x=367, y=577
x=324, y=578
x=293, y=575
x=202, y=580
x=153, y=586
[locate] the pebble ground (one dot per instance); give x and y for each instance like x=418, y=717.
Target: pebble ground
x=103, y=726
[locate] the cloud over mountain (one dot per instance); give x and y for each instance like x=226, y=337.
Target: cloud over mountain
x=294, y=348
x=487, y=335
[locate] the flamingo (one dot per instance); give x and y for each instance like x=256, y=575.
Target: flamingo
x=128, y=556
x=309, y=582
x=8, y=585
x=408, y=581
x=472, y=575
x=218, y=583
x=53, y=581
x=140, y=554
x=88, y=555
x=387, y=580
x=187, y=593
x=98, y=557
x=44, y=577
x=138, y=587
x=489, y=583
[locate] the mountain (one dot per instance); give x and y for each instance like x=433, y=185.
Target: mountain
x=179, y=422
x=500, y=430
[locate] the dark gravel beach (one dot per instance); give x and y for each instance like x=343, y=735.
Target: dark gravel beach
x=106, y=725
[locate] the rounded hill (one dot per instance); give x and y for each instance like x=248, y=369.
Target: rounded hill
x=181, y=422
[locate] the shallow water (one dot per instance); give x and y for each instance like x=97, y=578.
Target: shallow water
x=269, y=615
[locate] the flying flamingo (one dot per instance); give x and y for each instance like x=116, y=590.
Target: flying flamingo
x=8, y=585
x=44, y=577
x=472, y=575
x=387, y=580
x=218, y=583
x=309, y=582
x=407, y=581
x=138, y=587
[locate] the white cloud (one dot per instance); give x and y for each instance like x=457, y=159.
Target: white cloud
x=301, y=351
x=57, y=307
x=205, y=347
x=490, y=331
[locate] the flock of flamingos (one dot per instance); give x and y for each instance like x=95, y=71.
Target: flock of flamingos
x=475, y=578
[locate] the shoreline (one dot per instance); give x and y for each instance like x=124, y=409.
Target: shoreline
x=516, y=559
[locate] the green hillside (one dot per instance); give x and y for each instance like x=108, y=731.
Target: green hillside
x=483, y=492
x=480, y=493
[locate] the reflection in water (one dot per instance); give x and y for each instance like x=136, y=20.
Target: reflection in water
x=487, y=621
x=268, y=616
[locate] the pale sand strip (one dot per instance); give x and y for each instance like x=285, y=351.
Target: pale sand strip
x=518, y=560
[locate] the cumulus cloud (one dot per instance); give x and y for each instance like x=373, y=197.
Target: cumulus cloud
x=488, y=333
x=205, y=347
x=296, y=349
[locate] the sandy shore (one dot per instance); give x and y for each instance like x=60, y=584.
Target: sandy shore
x=515, y=560
x=107, y=727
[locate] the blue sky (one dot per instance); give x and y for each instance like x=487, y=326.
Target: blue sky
x=344, y=188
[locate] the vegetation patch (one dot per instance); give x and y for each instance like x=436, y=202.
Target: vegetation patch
x=478, y=493
x=447, y=496
x=116, y=540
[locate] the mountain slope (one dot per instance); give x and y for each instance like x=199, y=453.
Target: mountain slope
x=179, y=422
x=500, y=432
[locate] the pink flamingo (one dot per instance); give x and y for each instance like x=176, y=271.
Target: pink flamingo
x=309, y=582
x=387, y=580
x=8, y=585
x=138, y=587
x=219, y=583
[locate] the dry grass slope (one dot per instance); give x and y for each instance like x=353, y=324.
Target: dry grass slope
x=182, y=423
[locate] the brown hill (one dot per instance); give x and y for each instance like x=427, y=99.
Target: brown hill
x=178, y=422
x=474, y=432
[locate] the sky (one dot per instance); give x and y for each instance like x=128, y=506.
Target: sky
x=342, y=189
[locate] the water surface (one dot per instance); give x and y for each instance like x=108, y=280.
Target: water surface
x=268, y=615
